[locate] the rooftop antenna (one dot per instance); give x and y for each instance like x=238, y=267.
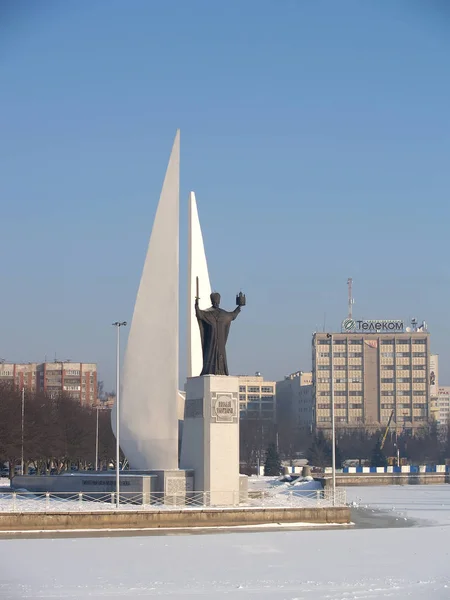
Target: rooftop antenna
x=350, y=298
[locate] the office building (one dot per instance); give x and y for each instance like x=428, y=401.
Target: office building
x=379, y=367
x=295, y=401
x=257, y=398
x=434, y=387
x=443, y=405
x=78, y=380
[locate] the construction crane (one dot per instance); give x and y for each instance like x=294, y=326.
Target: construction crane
x=383, y=439
x=350, y=298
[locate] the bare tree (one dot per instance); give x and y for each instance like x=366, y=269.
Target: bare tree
x=59, y=432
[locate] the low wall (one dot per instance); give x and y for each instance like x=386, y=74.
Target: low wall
x=350, y=479
x=392, y=469
x=171, y=518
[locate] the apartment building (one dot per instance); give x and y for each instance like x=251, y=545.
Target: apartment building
x=78, y=380
x=295, y=400
x=257, y=398
x=379, y=367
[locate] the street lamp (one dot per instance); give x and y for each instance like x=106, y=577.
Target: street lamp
x=23, y=422
x=96, y=441
x=333, y=428
x=118, y=325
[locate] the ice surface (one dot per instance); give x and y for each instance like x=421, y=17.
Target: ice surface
x=338, y=564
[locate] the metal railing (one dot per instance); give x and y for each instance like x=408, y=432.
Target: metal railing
x=26, y=502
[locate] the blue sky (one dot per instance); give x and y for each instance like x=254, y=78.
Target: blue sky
x=315, y=134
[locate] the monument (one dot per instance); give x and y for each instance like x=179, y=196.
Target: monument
x=214, y=324
x=148, y=408
x=210, y=444
x=149, y=393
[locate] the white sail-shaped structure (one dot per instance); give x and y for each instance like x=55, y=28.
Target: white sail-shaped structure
x=197, y=267
x=148, y=402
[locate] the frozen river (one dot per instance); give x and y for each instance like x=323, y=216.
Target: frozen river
x=359, y=563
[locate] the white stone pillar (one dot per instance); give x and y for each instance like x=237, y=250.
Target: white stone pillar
x=210, y=444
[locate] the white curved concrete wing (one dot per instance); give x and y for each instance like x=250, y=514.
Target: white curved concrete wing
x=197, y=267
x=149, y=390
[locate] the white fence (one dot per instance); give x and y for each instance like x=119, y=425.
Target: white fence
x=22, y=501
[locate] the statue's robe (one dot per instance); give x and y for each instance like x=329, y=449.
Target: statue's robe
x=214, y=326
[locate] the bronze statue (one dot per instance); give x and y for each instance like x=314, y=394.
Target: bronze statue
x=214, y=326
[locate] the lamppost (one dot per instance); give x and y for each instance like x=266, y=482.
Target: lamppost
x=23, y=422
x=333, y=428
x=118, y=325
x=96, y=441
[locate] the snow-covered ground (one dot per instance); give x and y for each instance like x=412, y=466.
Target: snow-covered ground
x=339, y=564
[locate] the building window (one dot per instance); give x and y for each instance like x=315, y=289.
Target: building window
x=268, y=389
x=416, y=342
x=387, y=393
x=343, y=354
x=387, y=380
x=323, y=406
x=324, y=354
x=254, y=389
x=355, y=393
x=341, y=380
x=242, y=397
x=253, y=398
x=242, y=388
x=267, y=400
x=386, y=342
x=419, y=379
x=403, y=379
x=324, y=419
x=387, y=406
x=416, y=405
x=355, y=354
x=340, y=393
x=423, y=354
x=403, y=393
x=323, y=379
x=355, y=342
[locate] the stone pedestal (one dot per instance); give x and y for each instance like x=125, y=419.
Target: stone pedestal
x=172, y=486
x=210, y=444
